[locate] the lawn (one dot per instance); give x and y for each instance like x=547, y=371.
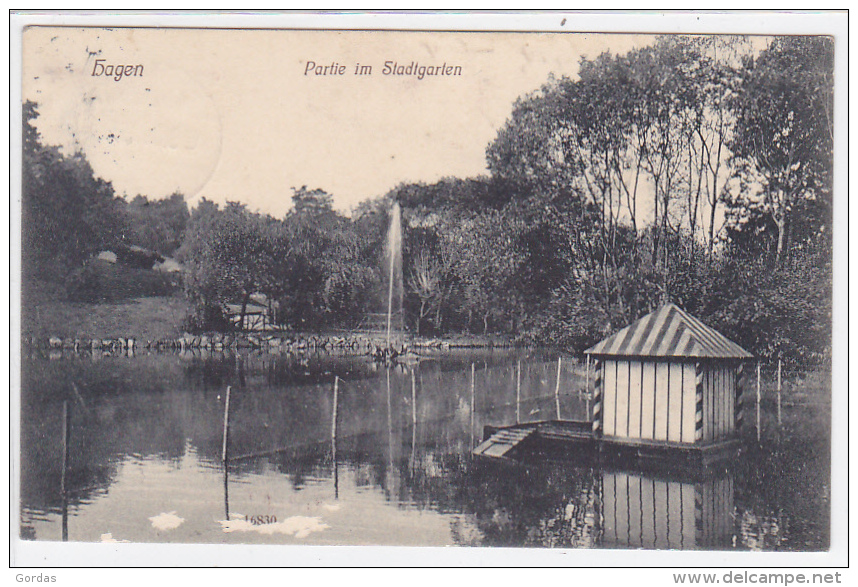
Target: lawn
x=145, y=318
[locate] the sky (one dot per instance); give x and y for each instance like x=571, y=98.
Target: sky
x=235, y=115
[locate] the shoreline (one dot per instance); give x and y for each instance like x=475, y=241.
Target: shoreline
x=156, y=323
x=357, y=341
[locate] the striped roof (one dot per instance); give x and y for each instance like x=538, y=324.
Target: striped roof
x=669, y=332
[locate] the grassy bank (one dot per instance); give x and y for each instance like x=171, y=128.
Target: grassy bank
x=150, y=319
x=145, y=318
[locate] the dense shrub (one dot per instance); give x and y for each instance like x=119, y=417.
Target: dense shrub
x=99, y=281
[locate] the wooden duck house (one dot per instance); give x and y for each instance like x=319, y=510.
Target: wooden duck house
x=667, y=379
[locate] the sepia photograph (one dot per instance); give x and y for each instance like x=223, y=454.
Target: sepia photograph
x=352, y=286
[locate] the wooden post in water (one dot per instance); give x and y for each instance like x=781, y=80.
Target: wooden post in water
x=414, y=396
x=334, y=437
x=779, y=393
x=334, y=417
x=557, y=387
x=473, y=401
x=758, y=401
x=414, y=416
x=518, y=394
x=63, y=488
x=334, y=414
x=225, y=451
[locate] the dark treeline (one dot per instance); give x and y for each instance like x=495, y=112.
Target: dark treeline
x=69, y=215
x=696, y=170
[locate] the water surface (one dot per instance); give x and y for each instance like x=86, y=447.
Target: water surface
x=145, y=439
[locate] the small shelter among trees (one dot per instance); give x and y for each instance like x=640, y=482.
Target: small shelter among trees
x=257, y=313
x=667, y=379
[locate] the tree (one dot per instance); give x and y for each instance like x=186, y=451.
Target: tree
x=425, y=281
x=587, y=150
x=68, y=214
x=312, y=228
x=317, y=266
x=158, y=225
x=350, y=270
x=486, y=260
x=773, y=313
x=713, y=127
x=451, y=194
x=783, y=142
x=231, y=254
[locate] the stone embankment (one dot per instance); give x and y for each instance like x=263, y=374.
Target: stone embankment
x=360, y=343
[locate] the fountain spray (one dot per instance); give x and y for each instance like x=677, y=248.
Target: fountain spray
x=394, y=250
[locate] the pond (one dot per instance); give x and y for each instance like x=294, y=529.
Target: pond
x=145, y=438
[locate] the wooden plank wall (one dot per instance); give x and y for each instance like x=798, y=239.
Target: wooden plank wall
x=652, y=400
x=718, y=402
x=622, y=392
x=635, y=399
x=649, y=400
x=674, y=401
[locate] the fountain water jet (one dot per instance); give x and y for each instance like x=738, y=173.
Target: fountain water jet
x=393, y=252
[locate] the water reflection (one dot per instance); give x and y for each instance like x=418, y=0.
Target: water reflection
x=63, y=489
x=648, y=512
x=334, y=422
x=226, y=491
x=146, y=438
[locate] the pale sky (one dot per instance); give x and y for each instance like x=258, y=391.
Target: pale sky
x=231, y=115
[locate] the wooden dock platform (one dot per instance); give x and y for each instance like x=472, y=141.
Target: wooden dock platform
x=510, y=441
x=575, y=439
x=503, y=441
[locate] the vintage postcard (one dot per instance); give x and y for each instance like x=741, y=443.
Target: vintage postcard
x=381, y=281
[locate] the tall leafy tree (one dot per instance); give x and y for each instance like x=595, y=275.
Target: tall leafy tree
x=712, y=128
x=783, y=141
x=231, y=254
x=589, y=149
x=68, y=214
x=158, y=225
x=312, y=227
x=486, y=256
